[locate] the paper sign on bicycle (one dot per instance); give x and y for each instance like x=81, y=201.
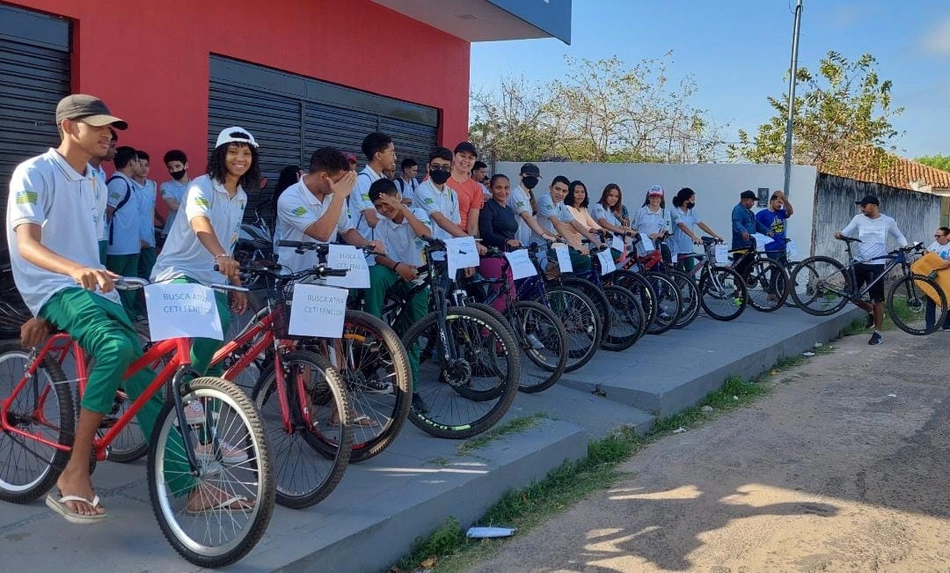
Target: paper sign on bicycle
x=791, y=249
x=760, y=241
x=721, y=254
x=462, y=253
x=646, y=244
x=563, y=258
x=351, y=259
x=182, y=311
x=607, y=265
x=521, y=265
x=317, y=311
x=616, y=243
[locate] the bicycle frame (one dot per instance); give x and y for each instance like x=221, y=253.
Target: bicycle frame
x=897, y=259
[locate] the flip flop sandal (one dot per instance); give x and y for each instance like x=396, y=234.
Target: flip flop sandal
x=224, y=506
x=60, y=507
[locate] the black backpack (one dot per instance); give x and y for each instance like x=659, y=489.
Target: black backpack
x=128, y=195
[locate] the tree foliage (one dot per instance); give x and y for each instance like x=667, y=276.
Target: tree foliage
x=601, y=111
x=937, y=161
x=842, y=119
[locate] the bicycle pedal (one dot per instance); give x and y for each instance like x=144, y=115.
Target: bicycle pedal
x=107, y=422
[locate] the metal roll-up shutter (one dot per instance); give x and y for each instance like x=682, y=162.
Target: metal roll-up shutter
x=337, y=127
x=273, y=120
x=34, y=65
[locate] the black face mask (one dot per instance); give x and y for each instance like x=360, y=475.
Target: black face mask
x=438, y=176
x=177, y=175
x=690, y=204
x=529, y=182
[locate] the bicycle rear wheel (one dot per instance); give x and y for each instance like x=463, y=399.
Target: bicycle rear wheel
x=627, y=320
x=185, y=506
x=543, y=341
x=304, y=476
x=822, y=286
x=43, y=407
x=689, y=297
x=578, y=313
x=473, y=390
x=907, y=302
x=723, y=293
x=597, y=296
x=668, y=300
x=640, y=287
x=766, y=285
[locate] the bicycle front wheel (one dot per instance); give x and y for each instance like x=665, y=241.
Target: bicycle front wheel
x=723, y=293
x=217, y=517
x=578, y=313
x=467, y=390
x=821, y=286
x=767, y=285
x=668, y=301
x=304, y=476
x=689, y=297
x=907, y=302
x=627, y=320
x=543, y=342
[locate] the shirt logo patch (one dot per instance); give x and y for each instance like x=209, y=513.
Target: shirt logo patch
x=300, y=211
x=241, y=204
x=26, y=198
x=427, y=201
x=202, y=202
x=365, y=196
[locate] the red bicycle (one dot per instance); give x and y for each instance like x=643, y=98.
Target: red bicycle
x=224, y=451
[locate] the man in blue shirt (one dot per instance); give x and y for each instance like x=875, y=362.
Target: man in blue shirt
x=774, y=218
x=744, y=224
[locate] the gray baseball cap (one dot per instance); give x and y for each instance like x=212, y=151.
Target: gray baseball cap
x=89, y=109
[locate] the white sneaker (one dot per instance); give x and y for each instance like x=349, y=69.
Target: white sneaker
x=194, y=413
x=229, y=454
x=534, y=342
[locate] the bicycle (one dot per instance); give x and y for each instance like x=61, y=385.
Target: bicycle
x=723, y=292
x=468, y=365
x=628, y=322
x=767, y=282
x=685, y=286
x=38, y=417
x=830, y=285
x=656, y=288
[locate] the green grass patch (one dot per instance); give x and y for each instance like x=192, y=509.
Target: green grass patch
x=512, y=426
x=856, y=327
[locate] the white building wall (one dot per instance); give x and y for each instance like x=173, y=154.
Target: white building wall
x=717, y=188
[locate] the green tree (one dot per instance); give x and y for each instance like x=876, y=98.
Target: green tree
x=941, y=162
x=842, y=121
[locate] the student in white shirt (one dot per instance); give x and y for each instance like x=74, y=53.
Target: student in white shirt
x=149, y=196
x=556, y=218
x=100, y=174
x=314, y=209
x=173, y=192
x=380, y=154
x=122, y=215
x=437, y=199
x=522, y=202
x=873, y=229
x=407, y=183
x=206, y=235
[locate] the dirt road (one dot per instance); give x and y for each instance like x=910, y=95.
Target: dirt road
x=844, y=467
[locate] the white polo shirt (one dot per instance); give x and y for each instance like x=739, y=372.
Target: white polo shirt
x=174, y=190
x=407, y=190
x=547, y=208
x=359, y=201
x=147, y=212
x=297, y=209
x=402, y=243
x=69, y=207
x=520, y=202
x=649, y=222
x=431, y=200
x=99, y=174
x=125, y=233
x=183, y=255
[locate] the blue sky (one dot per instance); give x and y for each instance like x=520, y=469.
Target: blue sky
x=738, y=51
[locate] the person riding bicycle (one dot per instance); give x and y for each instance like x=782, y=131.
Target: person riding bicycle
x=55, y=211
x=399, y=228
x=744, y=225
x=872, y=228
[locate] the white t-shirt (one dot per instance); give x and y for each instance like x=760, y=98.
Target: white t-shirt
x=942, y=250
x=297, y=209
x=647, y=222
x=359, y=201
x=598, y=212
x=681, y=243
x=125, y=233
x=69, y=207
x=547, y=208
x=147, y=212
x=183, y=255
x=407, y=190
x=174, y=190
x=402, y=244
x=873, y=234
x=431, y=200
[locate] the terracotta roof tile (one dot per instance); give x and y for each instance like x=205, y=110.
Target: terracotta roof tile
x=893, y=171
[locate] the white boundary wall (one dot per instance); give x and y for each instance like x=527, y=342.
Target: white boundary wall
x=717, y=188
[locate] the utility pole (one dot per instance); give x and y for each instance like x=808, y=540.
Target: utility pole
x=792, y=80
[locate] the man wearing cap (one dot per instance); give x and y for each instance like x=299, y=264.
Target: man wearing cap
x=521, y=201
x=55, y=212
x=351, y=157
x=872, y=228
x=744, y=225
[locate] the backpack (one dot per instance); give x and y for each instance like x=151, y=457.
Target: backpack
x=128, y=195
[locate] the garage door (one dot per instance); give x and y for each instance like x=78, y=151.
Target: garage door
x=34, y=65
x=292, y=115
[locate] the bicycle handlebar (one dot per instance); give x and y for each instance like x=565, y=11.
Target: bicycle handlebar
x=130, y=283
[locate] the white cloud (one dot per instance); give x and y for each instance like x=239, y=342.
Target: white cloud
x=938, y=40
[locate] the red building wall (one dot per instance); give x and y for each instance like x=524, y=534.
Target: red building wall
x=149, y=61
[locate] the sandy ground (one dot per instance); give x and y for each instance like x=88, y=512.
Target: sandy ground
x=844, y=467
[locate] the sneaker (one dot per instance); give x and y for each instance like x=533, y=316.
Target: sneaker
x=946, y=329
x=377, y=386
x=870, y=322
x=876, y=338
x=533, y=341
x=229, y=453
x=418, y=404
x=194, y=413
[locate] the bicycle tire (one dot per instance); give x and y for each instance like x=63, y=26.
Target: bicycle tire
x=578, y=313
x=916, y=302
x=759, y=285
x=668, y=302
x=789, y=269
x=243, y=417
x=13, y=452
x=374, y=352
x=689, y=297
x=533, y=319
x=329, y=400
x=597, y=296
x=499, y=394
x=639, y=286
x=627, y=314
x=821, y=279
x=724, y=295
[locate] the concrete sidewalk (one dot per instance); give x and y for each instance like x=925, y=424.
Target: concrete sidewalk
x=384, y=504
